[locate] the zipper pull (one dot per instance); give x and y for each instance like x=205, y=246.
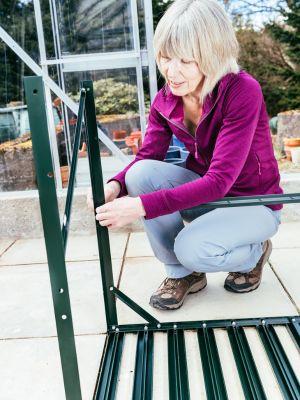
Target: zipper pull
x=196, y=150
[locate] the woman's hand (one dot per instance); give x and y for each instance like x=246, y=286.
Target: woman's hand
x=111, y=191
x=120, y=212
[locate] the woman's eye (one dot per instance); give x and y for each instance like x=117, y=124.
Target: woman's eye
x=186, y=61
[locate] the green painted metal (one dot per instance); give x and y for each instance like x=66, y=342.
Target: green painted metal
x=68, y=206
x=286, y=377
x=133, y=305
x=53, y=236
x=143, y=376
x=107, y=381
x=251, y=383
x=213, y=376
x=99, y=199
x=178, y=373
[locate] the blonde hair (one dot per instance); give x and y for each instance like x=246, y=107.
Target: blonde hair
x=198, y=29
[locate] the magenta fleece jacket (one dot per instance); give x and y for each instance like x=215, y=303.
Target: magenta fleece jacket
x=232, y=147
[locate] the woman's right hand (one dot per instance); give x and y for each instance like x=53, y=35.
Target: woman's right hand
x=111, y=192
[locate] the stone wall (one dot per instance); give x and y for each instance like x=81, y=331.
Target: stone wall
x=21, y=218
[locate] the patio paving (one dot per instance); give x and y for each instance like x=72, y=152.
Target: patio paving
x=28, y=343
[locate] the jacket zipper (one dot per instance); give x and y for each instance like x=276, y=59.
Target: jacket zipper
x=186, y=131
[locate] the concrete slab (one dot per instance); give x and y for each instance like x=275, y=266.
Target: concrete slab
x=286, y=265
x=26, y=307
x=141, y=276
x=288, y=236
x=4, y=245
x=33, y=251
x=31, y=368
x=138, y=245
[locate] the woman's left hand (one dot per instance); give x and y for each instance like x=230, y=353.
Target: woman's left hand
x=120, y=212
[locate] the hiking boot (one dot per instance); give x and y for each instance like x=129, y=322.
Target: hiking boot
x=172, y=291
x=241, y=282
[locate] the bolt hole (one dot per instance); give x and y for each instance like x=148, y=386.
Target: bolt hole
x=64, y=317
x=50, y=174
x=61, y=290
x=35, y=91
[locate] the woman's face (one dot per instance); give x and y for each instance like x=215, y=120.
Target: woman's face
x=183, y=75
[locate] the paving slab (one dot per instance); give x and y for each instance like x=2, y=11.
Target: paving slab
x=142, y=275
x=4, y=245
x=33, y=251
x=286, y=265
x=288, y=236
x=138, y=245
x=26, y=307
x=31, y=368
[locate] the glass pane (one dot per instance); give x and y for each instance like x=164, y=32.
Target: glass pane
x=94, y=26
x=117, y=112
x=18, y=20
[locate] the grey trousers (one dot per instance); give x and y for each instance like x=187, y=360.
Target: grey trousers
x=223, y=239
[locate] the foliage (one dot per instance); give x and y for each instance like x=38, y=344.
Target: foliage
x=114, y=97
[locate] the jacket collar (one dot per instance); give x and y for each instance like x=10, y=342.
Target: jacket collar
x=168, y=102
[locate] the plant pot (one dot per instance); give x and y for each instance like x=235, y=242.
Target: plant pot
x=292, y=142
x=295, y=153
x=119, y=134
x=176, y=161
x=184, y=153
x=173, y=152
x=132, y=144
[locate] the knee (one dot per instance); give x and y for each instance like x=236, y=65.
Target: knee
x=199, y=253
x=136, y=178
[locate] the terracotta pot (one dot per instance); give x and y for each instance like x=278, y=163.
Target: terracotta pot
x=292, y=142
x=131, y=143
x=119, y=134
x=64, y=171
x=137, y=136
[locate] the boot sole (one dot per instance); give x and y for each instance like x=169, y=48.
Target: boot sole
x=195, y=289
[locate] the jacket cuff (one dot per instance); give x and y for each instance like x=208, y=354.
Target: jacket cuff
x=154, y=204
x=123, y=191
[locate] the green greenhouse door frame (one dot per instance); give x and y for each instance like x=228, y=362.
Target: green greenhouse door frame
x=56, y=235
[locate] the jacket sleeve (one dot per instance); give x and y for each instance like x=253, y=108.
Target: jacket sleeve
x=240, y=118
x=155, y=145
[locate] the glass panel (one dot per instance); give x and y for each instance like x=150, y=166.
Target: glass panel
x=18, y=20
x=94, y=26
x=117, y=112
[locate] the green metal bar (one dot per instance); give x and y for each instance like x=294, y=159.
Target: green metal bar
x=286, y=377
x=251, y=383
x=99, y=199
x=178, y=373
x=242, y=201
x=53, y=237
x=133, y=305
x=108, y=377
x=211, y=365
x=143, y=376
x=294, y=328
x=67, y=213
x=165, y=326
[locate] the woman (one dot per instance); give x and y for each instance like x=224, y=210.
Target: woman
x=217, y=110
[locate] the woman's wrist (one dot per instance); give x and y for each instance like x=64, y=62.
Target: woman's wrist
x=115, y=185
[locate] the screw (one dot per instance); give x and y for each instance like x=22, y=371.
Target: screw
x=233, y=323
x=204, y=325
x=293, y=319
x=114, y=327
x=117, y=329
x=145, y=328
x=263, y=322
x=83, y=90
x=111, y=288
x=158, y=325
x=175, y=326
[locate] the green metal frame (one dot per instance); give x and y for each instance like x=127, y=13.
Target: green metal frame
x=56, y=235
